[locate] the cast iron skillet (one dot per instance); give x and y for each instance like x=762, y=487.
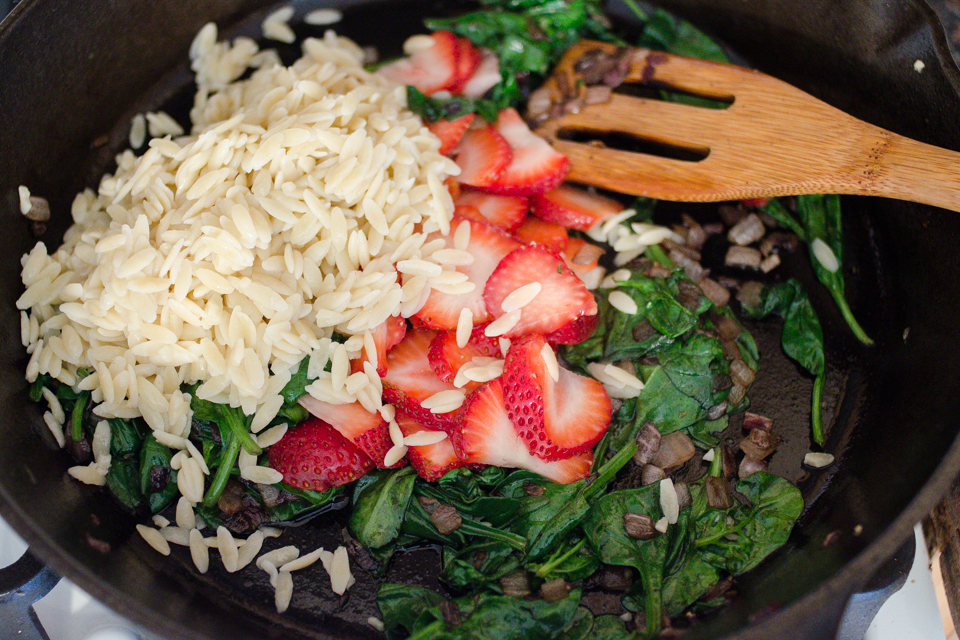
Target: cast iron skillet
x=70, y=72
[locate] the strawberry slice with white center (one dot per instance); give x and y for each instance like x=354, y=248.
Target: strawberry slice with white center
x=385, y=336
x=482, y=155
x=432, y=461
x=485, y=76
x=488, y=245
x=450, y=131
x=573, y=207
x=430, y=69
x=535, y=167
x=506, y=212
x=550, y=235
x=410, y=380
x=485, y=435
x=555, y=418
x=447, y=357
x=468, y=59
x=562, y=297
x=314, y=456
x=366, y=430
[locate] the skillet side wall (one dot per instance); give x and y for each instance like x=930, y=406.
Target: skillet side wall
x=60, y=102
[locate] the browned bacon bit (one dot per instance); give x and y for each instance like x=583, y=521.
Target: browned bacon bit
x=779, y=240
x=753, y=421
x=555, y=590
x=741, y=373
x=533, y=489
x=446, y=519
x=719, y=493
x=675, y=449
x=648, y=444
x=450, y=612
x=429, y=504
x=759, y=444
x=717, y=410
x=639, y=526
x=728, y=328
x=729, y=463
x=516, y=583
x=650, y=474
x=715, y=292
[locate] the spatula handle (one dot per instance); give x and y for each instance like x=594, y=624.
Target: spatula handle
x=907, y=169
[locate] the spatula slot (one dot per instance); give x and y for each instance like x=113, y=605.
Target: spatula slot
x=657, y=91
x=635, y=144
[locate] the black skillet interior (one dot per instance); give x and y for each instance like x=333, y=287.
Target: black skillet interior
x=74, y=73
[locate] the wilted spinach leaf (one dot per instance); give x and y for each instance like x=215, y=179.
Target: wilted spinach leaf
x=380, y=501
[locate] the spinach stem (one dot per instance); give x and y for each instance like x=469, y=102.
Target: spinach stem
x=848, y=316
x=610, y=468
x=702, y=542
x=76, y=416
x=716, y=465
x=429, y=631
x=512, y=540
x=637, y=11
x=545, y=569
x=816, y=411
x=656, y=253
x=227, y=460
x=241, y=432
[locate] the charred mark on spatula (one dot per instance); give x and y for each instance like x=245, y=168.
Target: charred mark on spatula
x=635, y=144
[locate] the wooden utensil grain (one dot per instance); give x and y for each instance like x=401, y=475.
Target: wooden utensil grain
x=772, y=140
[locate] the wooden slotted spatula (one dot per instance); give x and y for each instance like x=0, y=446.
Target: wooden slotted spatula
x=772, y=140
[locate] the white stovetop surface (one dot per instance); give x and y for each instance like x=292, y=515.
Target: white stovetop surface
x=68, y=613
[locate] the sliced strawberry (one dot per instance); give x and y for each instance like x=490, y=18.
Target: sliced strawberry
x=396, y=329
x=432, y=461
x=548, y=234
x=364, y=429
x=755, y=202
x=468, y=59
x=485, y=435
x=468, y=211
x=431, y=69
x=410, y=380
x=315, y=456
x=485, y=76
x=446, y=357
x=385, y=336
x=535, y=166
x=488, y=245
x=575, y=332
x=554, y=418
x=582, y=256
x=573, y=207
x=450, y=131
x=562, y=298
x=482, y=154
x=506, y=212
